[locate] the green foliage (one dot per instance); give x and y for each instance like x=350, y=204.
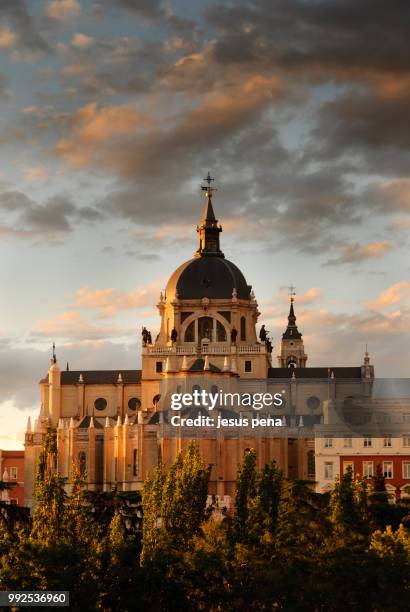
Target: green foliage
x=174, y=503
x=284, y=548
x=349, y=505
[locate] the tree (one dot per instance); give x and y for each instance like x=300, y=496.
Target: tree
x=246, y=492
x=348, y=502
x=49, y=518
x=174, y=503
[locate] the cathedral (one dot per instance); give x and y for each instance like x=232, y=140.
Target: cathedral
x=114, y=425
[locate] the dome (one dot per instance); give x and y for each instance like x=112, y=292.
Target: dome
x=207, y=277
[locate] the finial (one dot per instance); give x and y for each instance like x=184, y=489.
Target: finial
x=292, y=293
x=68, y=367
x=207, y=188
x=28, y=428
x=54, y=358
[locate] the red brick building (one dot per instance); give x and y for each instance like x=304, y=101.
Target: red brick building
x=396, y=470
x=12, y=470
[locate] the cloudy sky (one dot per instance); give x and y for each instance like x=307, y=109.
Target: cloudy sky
x=112, y=111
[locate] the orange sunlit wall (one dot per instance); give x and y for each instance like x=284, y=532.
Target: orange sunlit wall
x=396, y=470
x=12, y=462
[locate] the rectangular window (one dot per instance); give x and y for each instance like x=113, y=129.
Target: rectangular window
x=406, y=440
x=348, y=442
x=158, y=367
x=329, y=442
x=367, y=441
x=387, y=440
x=406, y=418
x=346, y=465
x=388, y=469
x=248, y=366
x=13, y=473
x=367, y=469
x=386, y=418
x=135, y=462
x=328, y=470
x=406, y=469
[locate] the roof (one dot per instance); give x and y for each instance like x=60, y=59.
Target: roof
x=85, y=423
x=198, y=366
x=207, y=277
x=339, y=373
x=98, y=377
x=291, y=332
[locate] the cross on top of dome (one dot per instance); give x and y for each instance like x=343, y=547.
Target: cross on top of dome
x=207, y=188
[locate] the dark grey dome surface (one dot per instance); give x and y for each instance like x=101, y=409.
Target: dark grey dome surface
x=210, y=277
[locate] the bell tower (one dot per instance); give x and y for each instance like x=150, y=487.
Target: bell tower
x=292, y=351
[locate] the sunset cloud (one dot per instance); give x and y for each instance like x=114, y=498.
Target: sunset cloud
x=108, y=302
x=63, y=9
x=391, y=296
x=37, y=173
x=72, y=325
x=82, y=40
x=7, y=38
x=354, y=252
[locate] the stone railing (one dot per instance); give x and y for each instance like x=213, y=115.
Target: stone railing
x=211, y=348
x=216, y=348
x=188, y=349
x=251, y=348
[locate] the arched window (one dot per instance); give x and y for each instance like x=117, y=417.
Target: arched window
x=205, y=328
x=292, y=362
x=190, y=333
x=243, y=328
x=311, y=471
x=82, y=462
x=220, y=332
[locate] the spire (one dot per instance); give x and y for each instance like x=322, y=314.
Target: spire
x=292, y=331
x=209, y=229
x=54, y=357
